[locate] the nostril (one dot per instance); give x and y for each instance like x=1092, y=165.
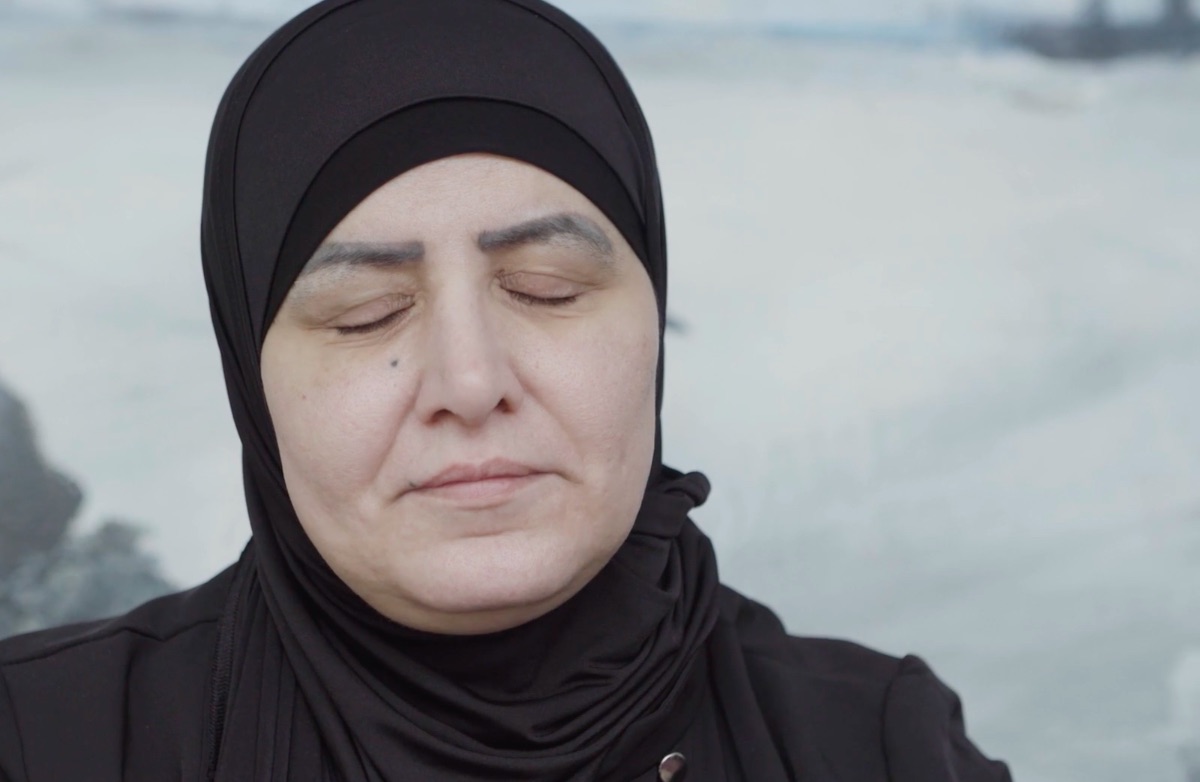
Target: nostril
x=673, y=768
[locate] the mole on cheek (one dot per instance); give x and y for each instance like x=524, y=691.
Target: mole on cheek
x=395, y=363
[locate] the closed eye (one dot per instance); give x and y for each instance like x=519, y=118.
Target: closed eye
x=375, y=325
x=542, y=301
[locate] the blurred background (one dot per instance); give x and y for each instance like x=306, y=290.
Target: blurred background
x=935, y=265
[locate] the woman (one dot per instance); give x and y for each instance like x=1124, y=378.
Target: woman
x=434, y=246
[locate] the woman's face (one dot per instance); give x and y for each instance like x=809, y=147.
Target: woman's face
x=462, y=382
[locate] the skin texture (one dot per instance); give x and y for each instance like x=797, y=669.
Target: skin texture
x=426, y=334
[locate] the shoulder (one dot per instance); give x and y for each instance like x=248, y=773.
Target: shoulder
x=838, y=666
x=870, y=715
x=156, y=621
x=76, y=698
x=925, y=730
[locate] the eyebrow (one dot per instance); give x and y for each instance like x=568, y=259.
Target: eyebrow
x=372, y=254
x=566, y=226
x=574, y=228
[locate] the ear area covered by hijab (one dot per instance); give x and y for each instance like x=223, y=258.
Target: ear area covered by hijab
x=309, y=682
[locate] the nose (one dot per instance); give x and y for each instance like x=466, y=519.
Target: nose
x=468, y=373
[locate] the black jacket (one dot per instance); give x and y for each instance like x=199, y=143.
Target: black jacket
x=128, y=699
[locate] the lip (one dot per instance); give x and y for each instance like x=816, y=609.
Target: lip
x=472, y=473
x=487, y=482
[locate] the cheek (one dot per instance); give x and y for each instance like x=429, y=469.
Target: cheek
x=601, y=389
x=335, y=419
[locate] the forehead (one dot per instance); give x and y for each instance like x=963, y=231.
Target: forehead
x=464, y=193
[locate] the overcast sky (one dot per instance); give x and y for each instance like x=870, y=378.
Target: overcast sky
x=796, y=11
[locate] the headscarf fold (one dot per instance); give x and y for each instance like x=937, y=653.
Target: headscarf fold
x=309, y=682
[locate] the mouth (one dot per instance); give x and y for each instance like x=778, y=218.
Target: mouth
x=487, y=483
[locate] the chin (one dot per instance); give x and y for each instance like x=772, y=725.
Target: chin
x=491, y=583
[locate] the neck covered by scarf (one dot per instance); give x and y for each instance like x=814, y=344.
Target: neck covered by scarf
x=309, y=682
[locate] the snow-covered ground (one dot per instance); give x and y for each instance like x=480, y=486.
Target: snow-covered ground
x=941, y=356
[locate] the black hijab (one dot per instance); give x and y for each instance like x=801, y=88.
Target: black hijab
x=309, y=682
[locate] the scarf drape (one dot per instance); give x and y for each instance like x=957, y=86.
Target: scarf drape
x=309, y=682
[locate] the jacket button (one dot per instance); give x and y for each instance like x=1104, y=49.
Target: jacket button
x=673, y=768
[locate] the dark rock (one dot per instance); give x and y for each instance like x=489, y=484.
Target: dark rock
x=88, y=577
x=36, y=502
x=47, y=576
x=1096, y=37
